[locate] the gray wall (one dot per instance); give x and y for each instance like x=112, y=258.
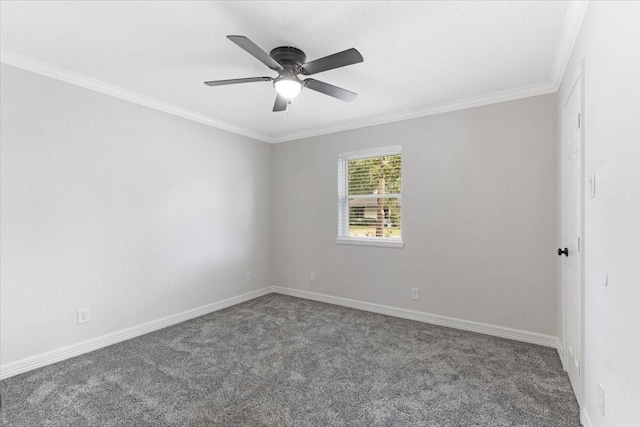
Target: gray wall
x=479, y=216
x=133, y=213
x=138, y=215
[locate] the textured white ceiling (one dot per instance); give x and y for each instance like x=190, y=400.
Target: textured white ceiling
x=417, y=55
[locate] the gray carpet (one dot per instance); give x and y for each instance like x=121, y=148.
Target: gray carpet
x=283, y=361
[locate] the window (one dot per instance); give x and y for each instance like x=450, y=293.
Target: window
x=370, y=197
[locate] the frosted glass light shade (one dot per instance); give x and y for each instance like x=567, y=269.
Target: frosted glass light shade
x=288, y=88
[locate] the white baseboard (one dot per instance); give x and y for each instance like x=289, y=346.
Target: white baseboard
x=38, y=361
x=560, y=349
x=451, y=322
x=584, y=418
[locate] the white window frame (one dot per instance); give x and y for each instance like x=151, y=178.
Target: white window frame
x=343, y=199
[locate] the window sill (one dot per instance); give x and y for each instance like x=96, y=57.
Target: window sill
x=381, y=243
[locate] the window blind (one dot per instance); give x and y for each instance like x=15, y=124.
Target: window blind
x=370, y=194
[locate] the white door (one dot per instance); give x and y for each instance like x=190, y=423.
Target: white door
x=571, y=254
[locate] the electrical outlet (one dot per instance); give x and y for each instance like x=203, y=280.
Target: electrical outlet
x=601, y=399
x=312, y=276
x=248, y=276
x=415, y=293
x=83, y=315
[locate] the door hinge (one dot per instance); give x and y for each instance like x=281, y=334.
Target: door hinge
x=579, y=365
x=579, y=121
x=579, y=244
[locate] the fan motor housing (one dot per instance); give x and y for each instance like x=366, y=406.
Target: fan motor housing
x=288, y=56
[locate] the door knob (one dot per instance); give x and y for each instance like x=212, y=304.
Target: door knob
x=564, y=251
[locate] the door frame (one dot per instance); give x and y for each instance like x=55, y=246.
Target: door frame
x=578, y=84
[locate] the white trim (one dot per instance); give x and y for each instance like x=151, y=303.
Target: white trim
x=343, y=203
x=38, y=361
x=391, y=150
x=344, y=198
x=570, y=30
x=560, y=349
x=585, y=420
x=18, y=60
x=364, y=241
x=36, y=66
x=578, y=84
x=446, y=107
x=435, y=319
x=571, y=27
x=48, y=358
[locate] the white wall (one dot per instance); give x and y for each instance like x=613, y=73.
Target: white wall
x=609, y=43
x=133, y=213
x=479, y=216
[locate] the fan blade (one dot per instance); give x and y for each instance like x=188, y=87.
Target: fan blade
x=337, y=60
x=255, y=50
x=281, y=103
x=235, y=81
x=331, y=90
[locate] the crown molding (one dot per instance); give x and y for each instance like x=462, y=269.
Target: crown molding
x=27, y=63
x=445, y=107
x=570, y=30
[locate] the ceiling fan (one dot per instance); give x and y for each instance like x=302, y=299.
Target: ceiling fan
x=289, y=62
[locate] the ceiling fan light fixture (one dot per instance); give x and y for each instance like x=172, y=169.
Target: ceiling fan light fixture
x=288, y=87
x=289, y=62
